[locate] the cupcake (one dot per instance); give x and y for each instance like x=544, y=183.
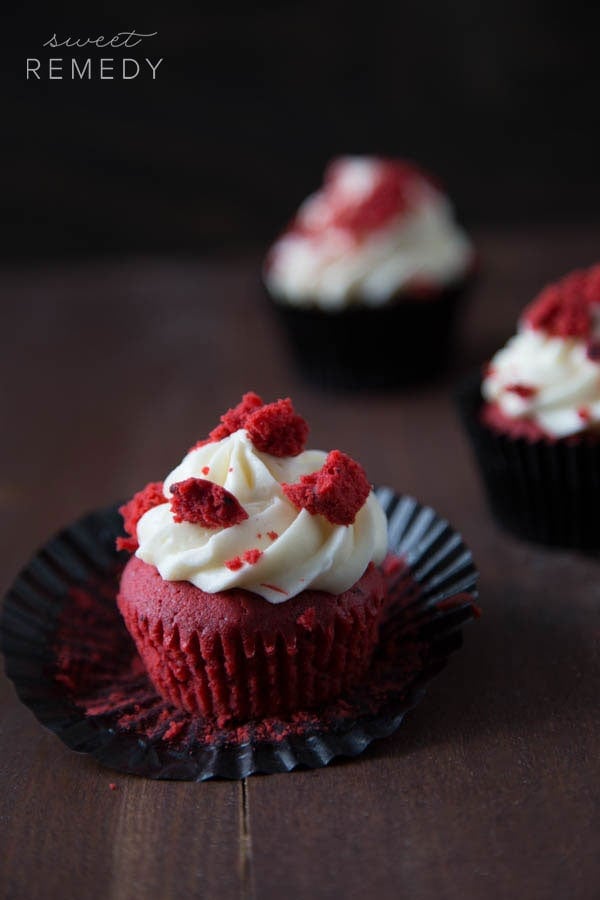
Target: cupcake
x=367, y=276
x=254, y=588
x=534, y=418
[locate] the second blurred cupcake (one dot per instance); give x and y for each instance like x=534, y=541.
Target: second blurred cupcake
x=367, y=276
x=534, y=418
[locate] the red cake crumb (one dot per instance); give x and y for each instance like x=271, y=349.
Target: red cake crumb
x=112, y=786
x=149, y=497
x=273, y=428
x=526, y=391
x=174, y=730
x=387, y=199
x=277, y=429
x=205, y=470
x=563, y=309
x=202, y=502
x=584, y=414
x=391, y=565
x=252, y=556
x=308, y=618
x=233, y=419
x=273, y=535
x=337, y=491
x=388, y=195
x=258, y=535
x=248, y=556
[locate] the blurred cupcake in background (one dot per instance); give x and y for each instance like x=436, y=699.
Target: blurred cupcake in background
x=367, y=276
x=534, y=418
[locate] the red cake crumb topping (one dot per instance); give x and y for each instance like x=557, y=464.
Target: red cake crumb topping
x=174, y=730
x=584, y=414
x=360, y=196
x=308, y=618
x=252, y=556
x=337, y=491
x=273, y=535
x=205, y=470
x=149, y=497
x=273, y=428
x=526, y=391
x=202, y=502
x=249, y=556
x=277, y=429
x=563, y=309
x=233, y=419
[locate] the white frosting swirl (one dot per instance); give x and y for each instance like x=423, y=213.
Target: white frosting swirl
x=307, y=551
x=329, y=267
x=565, y=382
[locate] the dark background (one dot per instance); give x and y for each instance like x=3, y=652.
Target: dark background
x=499, y=98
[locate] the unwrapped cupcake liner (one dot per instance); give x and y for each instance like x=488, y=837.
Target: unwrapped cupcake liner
x=406, y=341
x=75, y=666
x=541, y=490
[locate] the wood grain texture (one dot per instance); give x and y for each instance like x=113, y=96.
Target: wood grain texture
x=489, y=789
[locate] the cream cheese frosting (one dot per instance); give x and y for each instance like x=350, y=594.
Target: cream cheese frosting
x=298, y=550
x=322, y=260
x=547, y=379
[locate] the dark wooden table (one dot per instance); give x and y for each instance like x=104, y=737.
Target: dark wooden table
x=491, y=786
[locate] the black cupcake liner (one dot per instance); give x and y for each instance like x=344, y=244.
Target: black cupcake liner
x=404, y=342
x=74, y=665
x=543, y=491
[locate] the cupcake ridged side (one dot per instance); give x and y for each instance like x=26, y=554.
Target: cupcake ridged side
x=233, y=656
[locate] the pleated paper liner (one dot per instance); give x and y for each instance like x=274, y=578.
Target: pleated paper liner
x=542, y=491
x=74, y=665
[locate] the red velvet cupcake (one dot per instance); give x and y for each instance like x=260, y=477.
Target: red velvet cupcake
x=534, y=418
x=255, y=588
x=367, y=277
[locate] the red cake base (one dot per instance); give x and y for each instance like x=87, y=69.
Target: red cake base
x=233, y=656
